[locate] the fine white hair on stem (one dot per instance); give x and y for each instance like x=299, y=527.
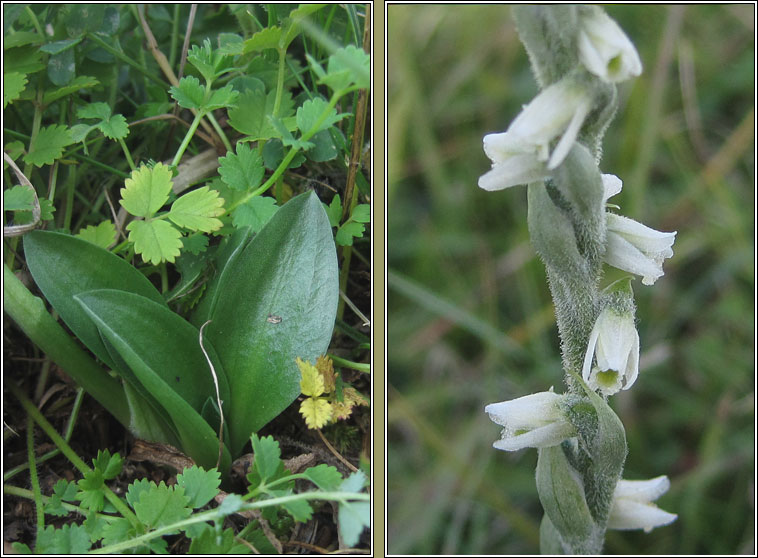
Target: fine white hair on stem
x=218, y=397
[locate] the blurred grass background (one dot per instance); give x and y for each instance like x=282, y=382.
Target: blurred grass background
x=470, y=318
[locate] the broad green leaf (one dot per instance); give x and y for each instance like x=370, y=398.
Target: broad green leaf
x=200, y=486
x=243, y=171
x=250, y=116
x=24, y=60
x=18, y=198
x=78, y=83
x=84, y=17
x=21, y=38
x=163, y=352
x=255, y=213
x=189, y=93
x=315, y=115
x=79, y=132
x=64, y=266
x=263, y=39
x=147, y=190
x=229, y=250
x=157, y=241
x=48, y=145
x=197, y=210
x=101, y=111
x=60, y=46
x=102, y=235
x=13, y=84
x=61, y=67
x=288, y=270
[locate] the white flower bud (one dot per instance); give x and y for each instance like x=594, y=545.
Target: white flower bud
x=633, y=247
x=615, y=346
x=531, y=421
x=522, y=153
x=604, y=48
x=631, y=507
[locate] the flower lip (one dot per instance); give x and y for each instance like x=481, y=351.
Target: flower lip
x=534, y=420
x=633, y=247
x=632, y=507
x=614, y=344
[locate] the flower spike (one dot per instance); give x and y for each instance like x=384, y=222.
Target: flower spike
x=632, y=506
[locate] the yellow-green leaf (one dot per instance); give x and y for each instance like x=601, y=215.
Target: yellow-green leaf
x=198, y=210
x=316, y=412
x=311, y=381
x=102, y=235
x=156, y=241
x=147, y=189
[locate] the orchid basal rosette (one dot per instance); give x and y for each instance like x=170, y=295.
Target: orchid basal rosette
x=614, y=345
x=632, y=506
x=522, y=153
x=531, y=421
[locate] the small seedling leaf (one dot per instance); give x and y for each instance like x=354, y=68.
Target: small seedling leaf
x=102, y=235
x=147, y=190
x=13, y=84
x=48, y=145
x=189, y=93
x=326, y=477
x=311, y=382
x=162, y=505
x=18, y=198
x=156, y=241
x=255, y=213
x=200, y=486
x=197, y=210
x=316, y=412
x=315, y=115
x=347, y=232
x=243, y=171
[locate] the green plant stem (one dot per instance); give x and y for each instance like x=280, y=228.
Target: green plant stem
x=215, y=514
x=360, y=366
x=126, y=153
x=174, y=36
x=219, y=131
x=279, y=81
x=70, y=454
x=67, y=436
x=121, y=56
x=187, y=139
x=35, y=21
x=28, y=311
x=33, y=475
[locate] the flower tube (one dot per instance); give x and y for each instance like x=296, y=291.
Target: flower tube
x=531, y=421
x=632, y=506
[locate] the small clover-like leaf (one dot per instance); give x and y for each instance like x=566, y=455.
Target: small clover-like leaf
x=101, y=111
x=326, y=477
x=91, y=490
x=146, y=190
x=263, y=39
x=69, y=539
x=255, y=213
x=250, y=115
x=162, y=505
x=18, y=198
x=201, y=57
x=316, y=412
x=334, y=211
x=46, y=209
x=310, y=117
x=197, y=210
x=311, y=381
x=221, y=98
x=48, y=145
x=347, y=232
x=361, y=213
x=200, y=486
x=115, y=127
x=267, y=456
x=13, y=84
x=157, y=241
x=348, y=66
x=189, y=93
x=109, y=465
x=243, y=171
x=102, y=235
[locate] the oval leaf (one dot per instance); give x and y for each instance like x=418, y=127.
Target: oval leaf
x=289, y=270
x=64, y=266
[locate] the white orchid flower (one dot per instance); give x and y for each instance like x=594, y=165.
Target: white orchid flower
x=522, y=153
x=614, y=345
x=605, y=50
x=635, y=248
x=531, y=421
x=631, y=507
